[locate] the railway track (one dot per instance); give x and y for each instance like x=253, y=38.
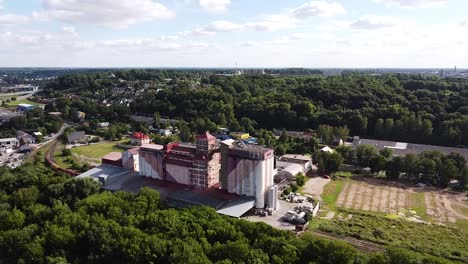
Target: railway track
x=357, y=243
x=50, y=160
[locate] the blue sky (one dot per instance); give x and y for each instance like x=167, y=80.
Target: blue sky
x=221, y=33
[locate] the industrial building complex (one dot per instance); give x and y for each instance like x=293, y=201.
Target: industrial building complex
x=238, y=176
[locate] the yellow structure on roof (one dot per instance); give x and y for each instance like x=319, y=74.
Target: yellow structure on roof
x=240, y=135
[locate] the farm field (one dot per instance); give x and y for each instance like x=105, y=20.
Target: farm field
x=401, y=200
x=378, y=210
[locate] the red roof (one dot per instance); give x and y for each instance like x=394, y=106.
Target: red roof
x=139, y=135
x=206, y=136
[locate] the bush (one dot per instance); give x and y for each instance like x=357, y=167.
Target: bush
x=95, y=140
x=300, y=179
x=66, y=152
x=294, y=187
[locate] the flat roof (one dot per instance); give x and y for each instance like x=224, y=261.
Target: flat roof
x=115, y=156
x=116, y=178
x=296, y=157
x=402, y=148
x=25, y=105
x=237, y=207
x=190, y=198
x=152, y=146
x=8, y=139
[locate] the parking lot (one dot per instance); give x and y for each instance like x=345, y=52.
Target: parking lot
x=11, y=160
x=275, y=220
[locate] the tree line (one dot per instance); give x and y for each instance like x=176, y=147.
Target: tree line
x=47, y=217
x=395, y=107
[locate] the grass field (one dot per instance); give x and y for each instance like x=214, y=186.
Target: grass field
x=331, y=192
x=99, y=150
x=447, y=242
x=22, y=101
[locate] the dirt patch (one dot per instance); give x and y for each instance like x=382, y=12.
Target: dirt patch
x=314, y=186
x=343, y=194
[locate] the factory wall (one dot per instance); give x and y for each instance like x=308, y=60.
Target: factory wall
x=178, y=174
x=130, y=161
x=250, y=177
x=151, y=164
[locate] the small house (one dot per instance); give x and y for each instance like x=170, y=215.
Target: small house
x=77, y=137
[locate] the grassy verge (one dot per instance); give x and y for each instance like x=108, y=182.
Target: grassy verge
x=331, y=191
x=99, y=150
x=447, y=242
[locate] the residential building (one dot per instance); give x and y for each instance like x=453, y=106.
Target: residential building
x=77, y=137
x=139, y=139
x=247, y=170
x=81, y=115
x=25, y=138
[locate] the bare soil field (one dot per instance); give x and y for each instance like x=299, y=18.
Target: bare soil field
x=393, y=198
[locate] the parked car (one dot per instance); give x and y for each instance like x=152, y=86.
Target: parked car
x=326, y=176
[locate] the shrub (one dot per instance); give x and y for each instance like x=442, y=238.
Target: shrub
x=66, y=152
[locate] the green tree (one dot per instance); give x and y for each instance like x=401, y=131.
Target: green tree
x=365, y=153
x=386, y=153
x=300, y=179
x=329, y=162
x=379, y=128
x=377, y=163
x=325, y=133
x=463, y=180
x=156, y=119
x=448, y=171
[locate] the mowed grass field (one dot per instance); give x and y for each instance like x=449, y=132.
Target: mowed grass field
x=22, y=101
x=99, y=150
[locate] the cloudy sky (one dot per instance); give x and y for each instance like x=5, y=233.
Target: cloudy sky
x=221, y=33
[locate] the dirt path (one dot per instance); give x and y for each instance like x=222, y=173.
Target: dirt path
x=314, y=186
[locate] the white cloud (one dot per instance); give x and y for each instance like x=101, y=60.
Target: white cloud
x=376, y=22
x=318, y=8
x=11, y=19
x=464, y=23
x=413, y=3
x=110, y=13
x=71, y=31
x=214, y=5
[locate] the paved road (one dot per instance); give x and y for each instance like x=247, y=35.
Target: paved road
x=24, y=95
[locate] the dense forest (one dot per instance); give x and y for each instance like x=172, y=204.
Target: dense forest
x=46, y=217
x=407, y=108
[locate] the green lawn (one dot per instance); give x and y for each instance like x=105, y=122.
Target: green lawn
x=99, y=150
x=22, y=101
x=331, y=192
